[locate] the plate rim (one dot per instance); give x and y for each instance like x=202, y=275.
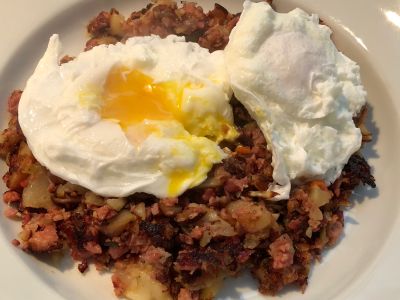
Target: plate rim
x=56, y=7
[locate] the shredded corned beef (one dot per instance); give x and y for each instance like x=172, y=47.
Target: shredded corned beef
x=215, y=230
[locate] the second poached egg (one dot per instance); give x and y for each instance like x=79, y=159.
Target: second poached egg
x=303, y=93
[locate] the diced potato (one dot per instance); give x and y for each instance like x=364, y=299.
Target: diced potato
x=139, y=283
x=215, y=226
x=93, y=199
x=25, y=157
x=118, y=224
x=316, y=214
x=218, y=226
x=252, y=240
x=116, y=203
x=319, y=194
x=309, y=232
x=206, y=238
x=251, y=216
x=24, y=150
x=25, y=163
x=15, y=179
x=116, y=24
x=36, y=194
x=140, y=210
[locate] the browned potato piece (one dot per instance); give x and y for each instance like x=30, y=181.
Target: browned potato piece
x=119, y=223
x=93, y=199
x=25, y=164
x=36, y=194
x=139, y=210
x=116, y=24
x=319, y=194
x=137, y=281
x=215, y=226
x=116, y=203
x=252, y=217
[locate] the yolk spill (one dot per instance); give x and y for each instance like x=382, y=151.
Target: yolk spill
x=197, y=175
x=131, y=97
x=177, y=178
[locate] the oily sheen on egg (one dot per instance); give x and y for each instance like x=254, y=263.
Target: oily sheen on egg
x=300, y=89
x=144, y=116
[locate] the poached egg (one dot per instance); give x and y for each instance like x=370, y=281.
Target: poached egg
x=144, y=116
x=302, y=92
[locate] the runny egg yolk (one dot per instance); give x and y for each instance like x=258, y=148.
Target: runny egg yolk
x=130, y=97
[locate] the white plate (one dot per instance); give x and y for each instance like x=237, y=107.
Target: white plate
x=363, y=266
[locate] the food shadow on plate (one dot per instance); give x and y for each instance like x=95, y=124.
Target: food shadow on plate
x=362, y=192
x=232, y=288
x=60, y=261
x=369, y=151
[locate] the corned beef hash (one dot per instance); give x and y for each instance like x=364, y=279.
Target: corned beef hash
x=183, y=147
